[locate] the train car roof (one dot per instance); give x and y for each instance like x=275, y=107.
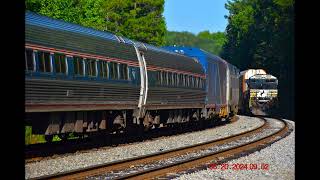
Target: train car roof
x=198, y=53
x=155, y=56
x=32, y=18
x=259, y=71
x=263, y=76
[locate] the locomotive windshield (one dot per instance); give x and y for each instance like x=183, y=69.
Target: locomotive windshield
x=262, y=83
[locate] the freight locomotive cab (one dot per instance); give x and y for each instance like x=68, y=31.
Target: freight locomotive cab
x=262, y=94
x=263, y=88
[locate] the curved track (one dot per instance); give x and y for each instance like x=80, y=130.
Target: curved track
x=218, y=157
x=37, y=152
x=143, y=166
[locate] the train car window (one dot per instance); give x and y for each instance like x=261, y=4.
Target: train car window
x=190, y=81
x=133, y=74
x=165, y=78
x=60, y=63
x=197, y=82
x=91, y=67
x=169, y=78
x=203, y=81
x=161, y=78
x=158, y=79
x=44, y=61
x=270, y=80
x=29, y=60
x=123, y=68
x=183, y=80
x=78, y=66
x=103, y=69
x=186, y=79
x=113, y=67
x=180, y=79
x=175, y=79
x=193, y=82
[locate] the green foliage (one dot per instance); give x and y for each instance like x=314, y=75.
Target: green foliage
x=211, y=42
x=140, y=20
x=28, y=133
x=56, y=138
x=260, y=34
x=32, y=138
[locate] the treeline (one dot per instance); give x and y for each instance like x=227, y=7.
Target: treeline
x=211, y=42
x=260, y=34
x=141, y=20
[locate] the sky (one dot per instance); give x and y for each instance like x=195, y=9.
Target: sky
x=195, y=15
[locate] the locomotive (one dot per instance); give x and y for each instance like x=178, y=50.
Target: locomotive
x=259, y=94
x=85, y=81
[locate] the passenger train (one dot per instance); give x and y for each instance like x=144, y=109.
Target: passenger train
x=84, y=81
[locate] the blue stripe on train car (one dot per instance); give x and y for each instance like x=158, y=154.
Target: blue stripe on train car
x=191, y=52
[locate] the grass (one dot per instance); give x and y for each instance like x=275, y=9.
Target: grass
x=35, y=138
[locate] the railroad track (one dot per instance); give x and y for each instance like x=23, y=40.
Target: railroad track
x=38, y=152
x=177, y=160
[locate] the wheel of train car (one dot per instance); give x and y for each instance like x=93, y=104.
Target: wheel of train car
x=48, y=138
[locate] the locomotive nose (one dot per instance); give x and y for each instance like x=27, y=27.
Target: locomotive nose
x=262, y=93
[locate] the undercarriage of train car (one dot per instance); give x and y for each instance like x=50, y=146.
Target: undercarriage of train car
x=91, y=123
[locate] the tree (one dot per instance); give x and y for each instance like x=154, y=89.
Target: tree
x=260, y=34
x=211, y=42
x=140, y=20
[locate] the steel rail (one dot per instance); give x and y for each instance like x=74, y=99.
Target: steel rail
x=36, y=152
x=158, y=171
x=81, y=173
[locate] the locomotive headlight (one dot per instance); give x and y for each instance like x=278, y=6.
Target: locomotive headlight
x=253, y=93
x=274, y=93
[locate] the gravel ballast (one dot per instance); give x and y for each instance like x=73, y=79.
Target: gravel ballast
x=279, y=157
x=81, y=160
x=273, y=127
